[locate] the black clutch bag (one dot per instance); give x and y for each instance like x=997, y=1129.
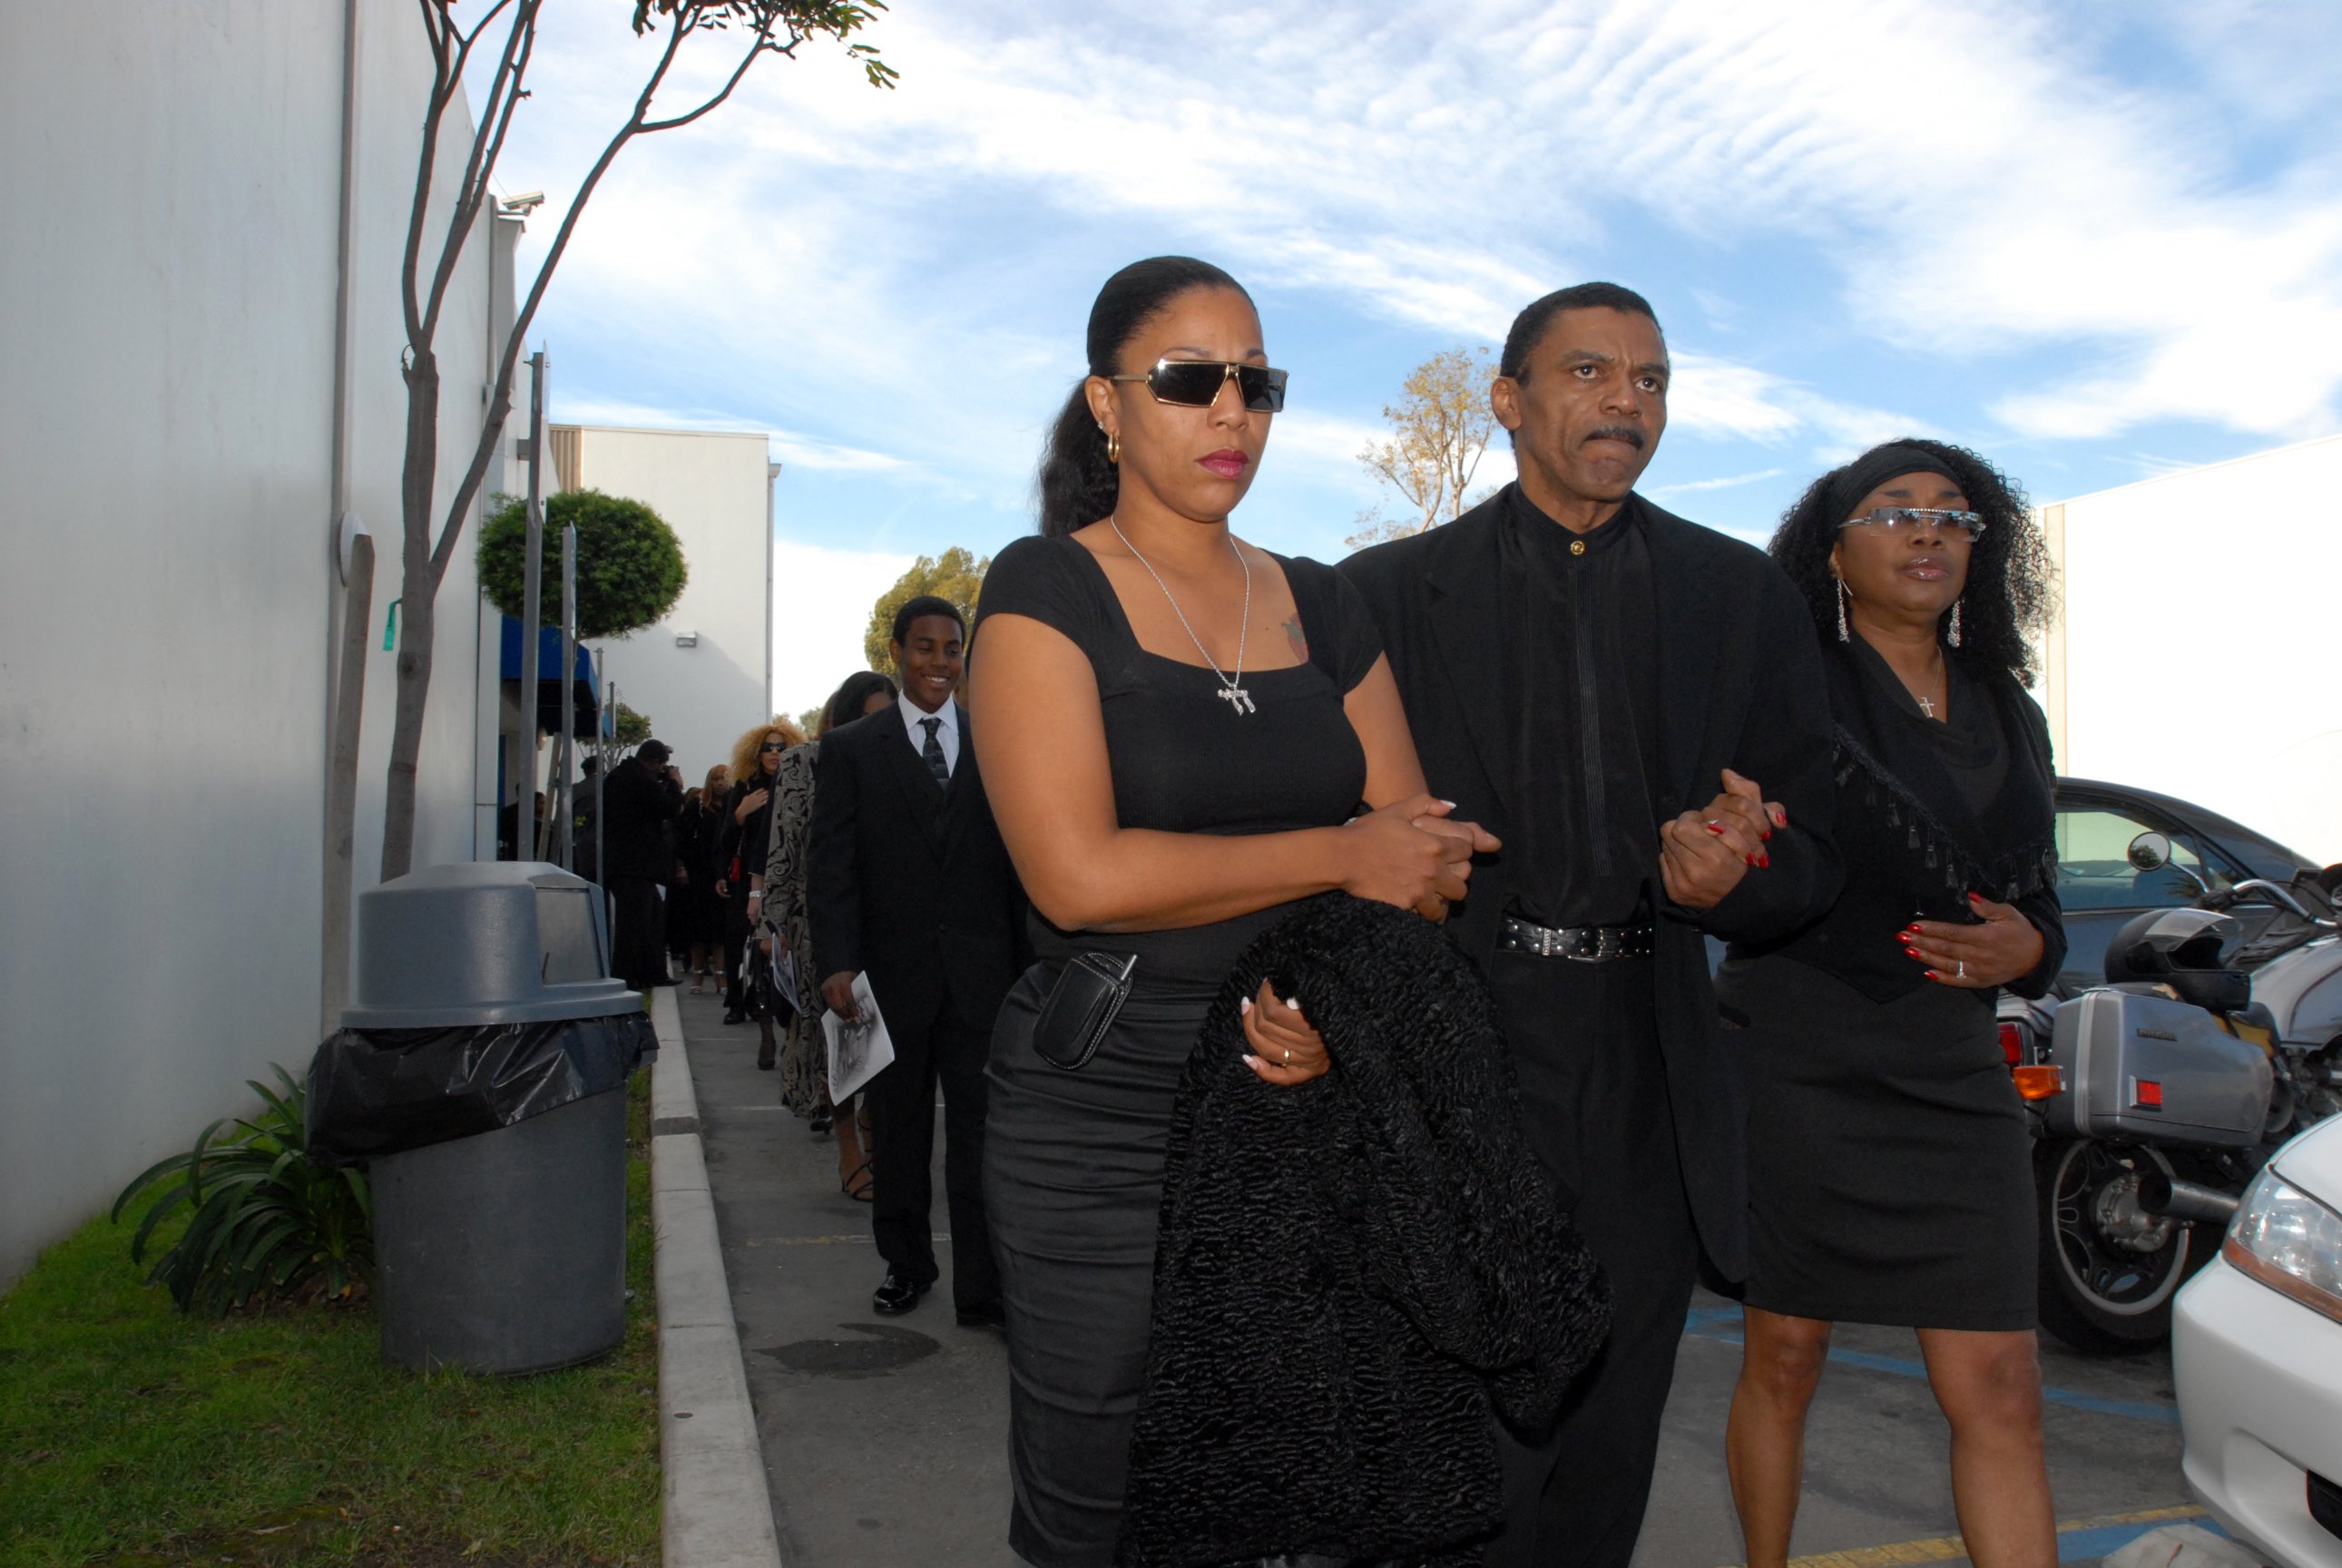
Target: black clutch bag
x=1080, y=1008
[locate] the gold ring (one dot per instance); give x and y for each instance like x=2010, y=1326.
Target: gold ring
x=1288, y=1055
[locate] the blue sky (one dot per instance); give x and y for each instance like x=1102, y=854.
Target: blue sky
x=2093, y=240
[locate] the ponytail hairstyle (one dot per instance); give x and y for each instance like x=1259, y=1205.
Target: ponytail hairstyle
x=1077, y=484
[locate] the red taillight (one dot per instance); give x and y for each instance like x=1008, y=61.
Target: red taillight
x=2012, y=1042
x=2147, y=1092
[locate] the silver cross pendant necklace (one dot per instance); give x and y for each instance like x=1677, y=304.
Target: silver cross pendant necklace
x=1231, y=690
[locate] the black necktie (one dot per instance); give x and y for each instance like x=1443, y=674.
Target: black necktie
x=933, y=752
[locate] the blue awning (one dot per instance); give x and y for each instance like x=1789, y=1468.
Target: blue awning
x=549, y=657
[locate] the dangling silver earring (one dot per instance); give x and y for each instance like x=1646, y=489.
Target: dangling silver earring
x=1844, y=635
x=1954, y=638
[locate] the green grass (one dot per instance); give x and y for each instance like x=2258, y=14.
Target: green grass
x=132, y=1435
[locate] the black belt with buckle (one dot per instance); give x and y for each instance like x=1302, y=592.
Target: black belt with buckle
x=1579, y=943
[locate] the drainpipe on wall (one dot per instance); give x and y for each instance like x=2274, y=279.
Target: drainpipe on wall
x=346, y=685
x=771, y=484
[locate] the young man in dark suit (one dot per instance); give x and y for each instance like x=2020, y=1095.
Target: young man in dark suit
x=1634, y=705
x=909, y=882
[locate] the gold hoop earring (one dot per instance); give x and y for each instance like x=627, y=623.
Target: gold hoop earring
x=1113, y=448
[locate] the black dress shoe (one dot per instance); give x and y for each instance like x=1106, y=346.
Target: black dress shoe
x=734, y=1016
x=899, y=1294
x=988, y=1314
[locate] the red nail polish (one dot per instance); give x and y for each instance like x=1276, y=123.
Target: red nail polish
x=1750, y=858
x=1764, y=861
x=1933, y=975
x=1714, y=829
x=1976, y=898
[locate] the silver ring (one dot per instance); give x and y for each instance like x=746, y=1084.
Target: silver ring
x=1961, y=969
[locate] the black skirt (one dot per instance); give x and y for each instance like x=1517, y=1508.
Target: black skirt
x=1890, y=1176
x=1073, y=1178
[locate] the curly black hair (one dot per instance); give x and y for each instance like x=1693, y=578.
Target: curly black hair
x=2010, y=594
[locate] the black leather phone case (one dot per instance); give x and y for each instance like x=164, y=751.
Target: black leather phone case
x=1080, y=1008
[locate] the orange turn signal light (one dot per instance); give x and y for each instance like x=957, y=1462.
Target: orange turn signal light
x=2039, y=1082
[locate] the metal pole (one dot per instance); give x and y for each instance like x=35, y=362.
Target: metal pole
x=605, y=703
x=568, y=706
x=532, y=582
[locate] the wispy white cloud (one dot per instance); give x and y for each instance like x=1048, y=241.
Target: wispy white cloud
x=1959, y=185
x=1723, y=482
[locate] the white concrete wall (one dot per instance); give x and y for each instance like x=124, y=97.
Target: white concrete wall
x=713, y=489
x=2201, y=651
x=169, y=266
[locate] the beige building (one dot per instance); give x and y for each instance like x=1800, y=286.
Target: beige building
x=704, y=674
x=2200, y=649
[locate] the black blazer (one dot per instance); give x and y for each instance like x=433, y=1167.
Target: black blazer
x=1740, y=687
x=907, y=881
x=638, y=804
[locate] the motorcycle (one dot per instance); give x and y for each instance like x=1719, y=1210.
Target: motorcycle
x=2158, y=1096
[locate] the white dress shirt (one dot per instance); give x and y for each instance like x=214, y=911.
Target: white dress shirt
x=946, y=734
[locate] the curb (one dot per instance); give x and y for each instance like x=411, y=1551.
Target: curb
x=718, y=1512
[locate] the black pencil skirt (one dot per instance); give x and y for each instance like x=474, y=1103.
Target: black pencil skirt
x=1890, y=1168
x=1072, y=1176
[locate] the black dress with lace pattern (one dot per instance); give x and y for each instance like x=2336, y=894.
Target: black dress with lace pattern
x=1889, y=1161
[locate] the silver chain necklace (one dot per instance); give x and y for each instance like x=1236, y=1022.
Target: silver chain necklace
x=1233, y=695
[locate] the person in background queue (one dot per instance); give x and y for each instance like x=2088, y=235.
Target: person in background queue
x=642, y=795
x=695, y=910
x=908, y=882
x=740, y=852
x=1890, y=1170
x=779, y=893
x=1634, y=705
x=1180, y=729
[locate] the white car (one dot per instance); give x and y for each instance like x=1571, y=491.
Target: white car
x=2256, y=1352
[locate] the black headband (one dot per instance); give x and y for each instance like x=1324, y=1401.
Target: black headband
x=1876, y=467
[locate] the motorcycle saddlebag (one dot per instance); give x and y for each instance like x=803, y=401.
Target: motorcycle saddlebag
x=2144, y=1068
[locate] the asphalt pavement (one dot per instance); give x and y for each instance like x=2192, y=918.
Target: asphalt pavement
x=886, y=1438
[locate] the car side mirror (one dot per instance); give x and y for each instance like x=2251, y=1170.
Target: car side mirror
x=2150, y=852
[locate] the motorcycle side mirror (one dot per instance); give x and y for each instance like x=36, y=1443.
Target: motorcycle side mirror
x=2150, y=852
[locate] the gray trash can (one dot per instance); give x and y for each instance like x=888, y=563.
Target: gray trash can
x=477, y=993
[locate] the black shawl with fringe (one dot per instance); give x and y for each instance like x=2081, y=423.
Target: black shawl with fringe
x=1914, y=841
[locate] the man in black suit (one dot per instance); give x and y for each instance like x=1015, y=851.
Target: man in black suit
x=1634, y=705
x=642, y=795
x=907, y=881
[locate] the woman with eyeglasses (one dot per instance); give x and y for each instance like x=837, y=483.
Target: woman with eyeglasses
x=740, y=859
x=1889, y=1164
x=1181, y=734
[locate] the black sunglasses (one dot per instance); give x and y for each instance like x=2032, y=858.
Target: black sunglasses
x=772, y=746
x=1196, y=383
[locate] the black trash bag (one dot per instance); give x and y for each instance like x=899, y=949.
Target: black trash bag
x=377, y=1091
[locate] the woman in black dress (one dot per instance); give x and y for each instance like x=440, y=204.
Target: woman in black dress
x=1890, y=1164
x=1178, y=732
x=745, y=841
x=698, y=915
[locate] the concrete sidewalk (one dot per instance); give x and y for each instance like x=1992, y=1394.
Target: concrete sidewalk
x=885, y=1439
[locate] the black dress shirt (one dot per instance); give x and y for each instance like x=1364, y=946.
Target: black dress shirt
x=1581, y=685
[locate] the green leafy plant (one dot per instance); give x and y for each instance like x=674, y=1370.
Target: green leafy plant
x=630, y=566
x=266, y=1223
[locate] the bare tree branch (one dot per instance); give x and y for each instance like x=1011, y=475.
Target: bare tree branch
x=760, y=45
x=487, y=142
x=500, y=401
